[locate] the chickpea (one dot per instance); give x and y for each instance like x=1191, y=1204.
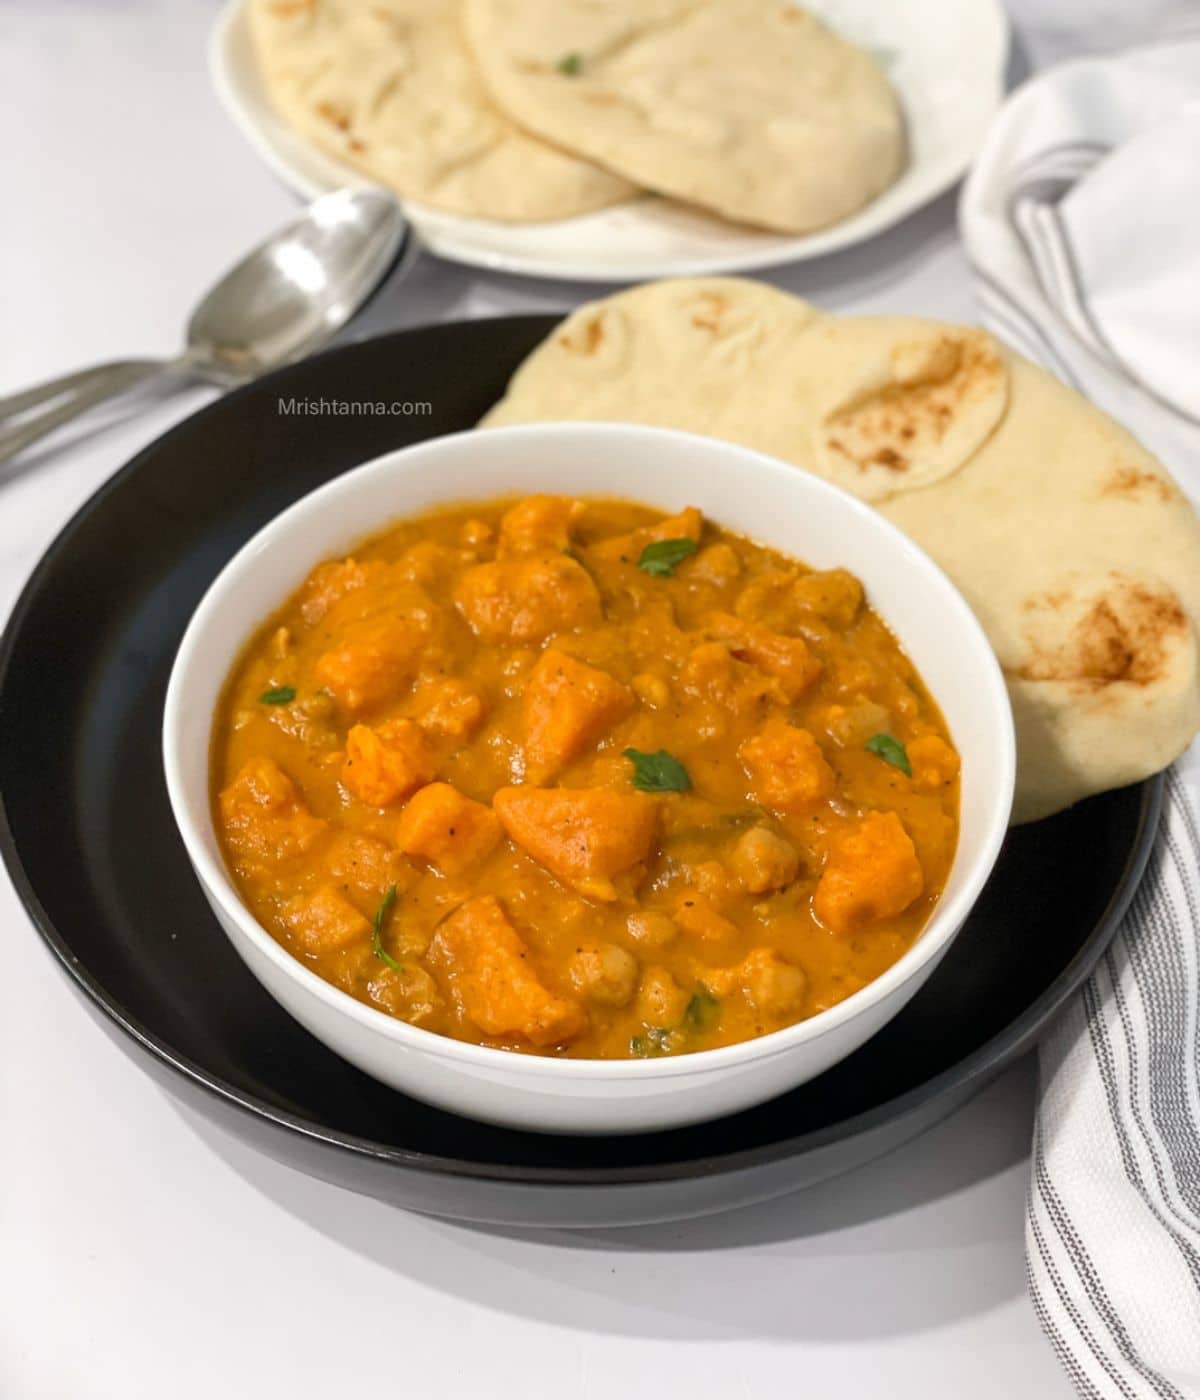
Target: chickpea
x=772, y=986
x=651, y=928
x=475, y=533
x=762, y=860
x=661, y=1000
x=718, y=564
x=711, y=878
x=851, y=725
x=652, y=689
x=411, y=994
x=604, y=974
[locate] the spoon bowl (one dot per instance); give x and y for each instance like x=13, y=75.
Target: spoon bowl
x=283, y=301
x=297, y=289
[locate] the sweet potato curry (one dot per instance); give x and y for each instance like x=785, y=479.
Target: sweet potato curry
x=567, y=777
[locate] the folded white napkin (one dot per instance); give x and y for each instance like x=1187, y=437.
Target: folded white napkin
x=1082, y=221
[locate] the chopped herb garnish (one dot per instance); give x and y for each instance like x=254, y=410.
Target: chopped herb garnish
x=662, y=557
x=658, y=772
x=703, y=1011
x=381, y=914
x=281, y=695
x=571, y=64
x=656, y=1041
x=891, y=751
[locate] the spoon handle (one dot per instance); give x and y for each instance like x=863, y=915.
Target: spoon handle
x=31, y=413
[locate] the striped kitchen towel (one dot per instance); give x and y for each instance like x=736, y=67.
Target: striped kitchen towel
x=1081, y=219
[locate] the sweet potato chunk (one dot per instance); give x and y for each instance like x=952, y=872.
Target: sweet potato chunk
x=567, y=707
x=265, y=821
x=449, y=830
x=584, y=836
x=325, y=922
x=364, y=867
x=373, y=662
x=526, y=599
x=712, y=673
x=429, y=562
x=449, y=707
x=788, y=659
x=538, y=525
x=787, y=769
x=330, y=582
x=833, y=594
x=627, y=549
x=687, y=525
x=386, y=764
x=934, y=763
x=491, y=978
x=872, y=873
x=697, y=915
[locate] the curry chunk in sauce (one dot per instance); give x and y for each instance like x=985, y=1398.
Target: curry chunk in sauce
x=575, y=777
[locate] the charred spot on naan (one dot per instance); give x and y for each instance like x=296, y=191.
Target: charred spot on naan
x=1125, y=631
x=586, y=337
x=931, y=383
x=1134, y=483
x=710, y=309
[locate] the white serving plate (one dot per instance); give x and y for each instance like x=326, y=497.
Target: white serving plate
x=947, y=62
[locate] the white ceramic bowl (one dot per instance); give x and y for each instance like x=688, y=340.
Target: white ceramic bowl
x=742, y=490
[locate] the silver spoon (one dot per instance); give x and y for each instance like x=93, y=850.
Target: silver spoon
x=282, y=302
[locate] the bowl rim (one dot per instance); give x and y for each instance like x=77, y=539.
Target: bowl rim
x=936, y=935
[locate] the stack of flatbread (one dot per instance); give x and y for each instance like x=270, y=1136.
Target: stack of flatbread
x=544, y=109
x=1077, y=551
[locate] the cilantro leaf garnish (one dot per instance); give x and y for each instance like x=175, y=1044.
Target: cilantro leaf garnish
x=381, y=914
x=891, y=751
x=661, y=558
x=657, y=772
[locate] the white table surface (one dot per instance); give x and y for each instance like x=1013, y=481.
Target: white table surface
x=142, y=1253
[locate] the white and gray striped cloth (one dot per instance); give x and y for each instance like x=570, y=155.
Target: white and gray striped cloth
x=1082, y=223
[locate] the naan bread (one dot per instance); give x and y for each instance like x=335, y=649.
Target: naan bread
x=874, y=406
x=751, y=108
x=711, y=354
x=1081, y=558
x=1075, y=548
x=389, y=87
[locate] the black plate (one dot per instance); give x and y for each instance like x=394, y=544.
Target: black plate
x=88, y=837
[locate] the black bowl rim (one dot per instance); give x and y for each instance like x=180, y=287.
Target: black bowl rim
x=963, y=1077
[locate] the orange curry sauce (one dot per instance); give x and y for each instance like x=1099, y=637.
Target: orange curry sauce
x=638, y=784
